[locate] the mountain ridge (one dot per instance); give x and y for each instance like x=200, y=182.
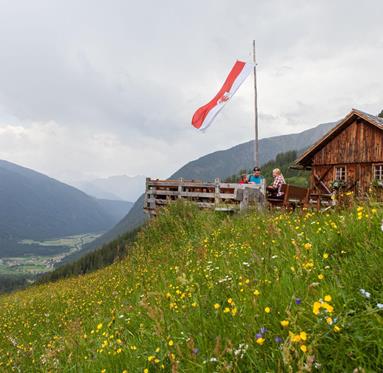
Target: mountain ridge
x=36, y=206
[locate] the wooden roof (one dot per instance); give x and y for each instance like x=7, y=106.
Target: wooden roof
x=304, y=159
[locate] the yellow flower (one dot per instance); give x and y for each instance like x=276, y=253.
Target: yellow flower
x=216, y=306
x=303, y=336
x=304, y=348
x=230, y=301
x=99, y=326
x=267, y=309
x=234, y=311
x=146, y=370
x=325, y=255
x=170, y=343
x=151, y=358
x=308, y=246
x=226, y=310
x=294, y=337
x=256, y=292
x=336, y=329
x=329, y=320
x=327, y=298
x=327, y=307
x=374, y=211
x=285, y=323
x=260, y=341
x=321, y=276
x=359, y=209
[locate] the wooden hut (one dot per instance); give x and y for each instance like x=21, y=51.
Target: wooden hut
x=350, y=156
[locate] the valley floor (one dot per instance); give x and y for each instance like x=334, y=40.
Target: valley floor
x=199, y=292
x=36, y=264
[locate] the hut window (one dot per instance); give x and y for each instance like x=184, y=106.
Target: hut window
x=378, y=172
x=340, y=173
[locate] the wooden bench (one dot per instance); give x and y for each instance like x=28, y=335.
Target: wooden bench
x=293, y=196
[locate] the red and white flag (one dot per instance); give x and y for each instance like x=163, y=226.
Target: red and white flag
x=205, y=115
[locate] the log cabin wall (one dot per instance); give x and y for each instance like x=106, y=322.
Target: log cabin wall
x=357, y=147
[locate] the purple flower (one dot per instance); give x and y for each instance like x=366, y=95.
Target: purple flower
x=263, y=330
x=298, y=301
x=258, y=335
x=195, y=351
x=278, y=339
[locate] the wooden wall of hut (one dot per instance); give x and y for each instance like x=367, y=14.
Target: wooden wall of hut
x=358, y=147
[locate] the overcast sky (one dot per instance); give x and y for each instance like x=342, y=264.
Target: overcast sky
x=98, y=88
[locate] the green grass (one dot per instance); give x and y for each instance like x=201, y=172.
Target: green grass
x=195, y=292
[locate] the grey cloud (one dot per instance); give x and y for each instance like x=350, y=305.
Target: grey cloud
x=134, y=72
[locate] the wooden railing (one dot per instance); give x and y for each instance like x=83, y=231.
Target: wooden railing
x=217, y=195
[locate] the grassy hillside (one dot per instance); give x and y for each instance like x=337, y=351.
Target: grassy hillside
x=201, y=292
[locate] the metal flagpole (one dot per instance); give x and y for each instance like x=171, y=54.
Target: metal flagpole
x=256, y=149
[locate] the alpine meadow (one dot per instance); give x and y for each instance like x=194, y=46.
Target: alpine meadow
x=204, y=292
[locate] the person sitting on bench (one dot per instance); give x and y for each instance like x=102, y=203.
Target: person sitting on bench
x=243, y=179
x=256, y=177
x=275, y=189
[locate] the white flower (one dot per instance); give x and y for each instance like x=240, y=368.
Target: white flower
x=365, y=293
x=380, y=306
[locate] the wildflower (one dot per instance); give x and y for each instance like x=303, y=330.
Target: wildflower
x=216, y=306
x=303, y=336
x=263, y=330
x=336, y=329
x=307, y=246
x=267, y=309
x=325, y=255
x=151, y=358
x=320, y=276
x=171, y=343
x=294, y=337
x=99, y=326
x=374, y=211
x=379, y=306
x=278, y=339
x=260, y=341
x=226, y=310
x=234, y=311
x=230, y=301
x=285, y=323
x=365, y=293
x=195, y=351
x=327, y=298
x=304, y=348
x=256, y=292
x=329, y=320
x=146, y=370
x=298, y=301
